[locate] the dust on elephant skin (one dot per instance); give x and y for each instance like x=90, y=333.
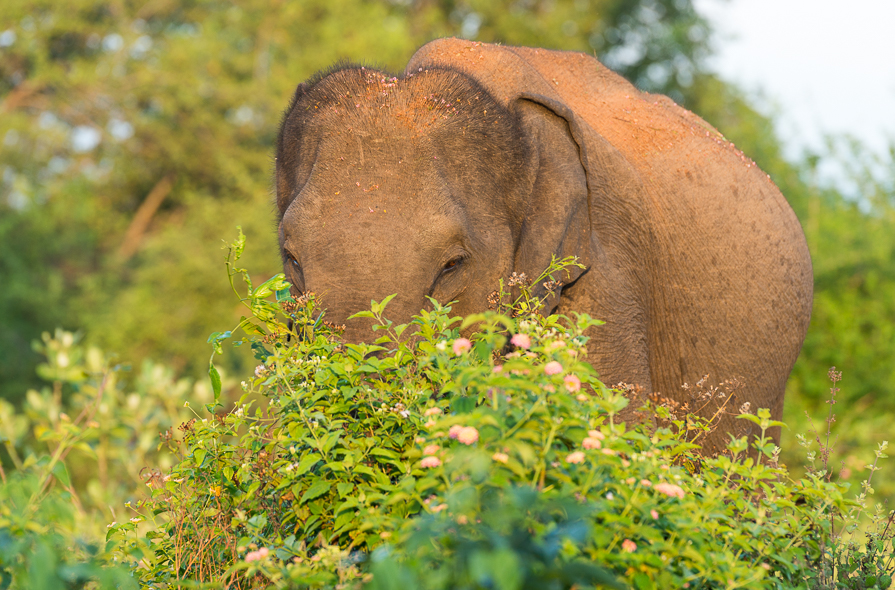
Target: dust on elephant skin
x=483, y=160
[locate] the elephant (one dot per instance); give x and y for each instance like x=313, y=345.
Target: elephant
x=481, y=160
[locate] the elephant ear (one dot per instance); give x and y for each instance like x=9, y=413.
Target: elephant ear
x=556, y=217
x=587, y=200
x=295, y=149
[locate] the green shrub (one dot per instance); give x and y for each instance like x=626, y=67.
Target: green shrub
x=451, y=453
x=432, y=460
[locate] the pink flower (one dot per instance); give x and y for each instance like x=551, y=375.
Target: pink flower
x=629, y=546
x=432, y=412
x=461, y=345
x=431, y=449
x=257, y=555
x=596, y=434
x=500, y=457
x=576, y=457
x=555, y=345
x=630, y=481
x=468, y=435
x=455, y=430
x=439, y=508
x=608, y=452
x=429, y=462
x=549, y=388
x=646, y=483
x=521, y=340
x=573, y=383
x=581, y=397
x=669, y=489
x=552, y=368
x=497, y=368
x=654, y=514
x=591, y=443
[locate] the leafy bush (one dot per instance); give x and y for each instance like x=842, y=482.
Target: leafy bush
x=445, y=456
x=473, y=453
x=77, y=451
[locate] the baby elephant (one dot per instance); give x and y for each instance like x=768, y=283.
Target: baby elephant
x=483, y=160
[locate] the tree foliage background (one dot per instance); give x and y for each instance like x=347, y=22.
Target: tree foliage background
x=134, y=136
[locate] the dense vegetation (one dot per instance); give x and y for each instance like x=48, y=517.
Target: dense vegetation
x=134, y=136
x=495, y=461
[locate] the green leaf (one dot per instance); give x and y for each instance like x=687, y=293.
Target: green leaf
x=61, y=474
x=274, y=283
x=199, y=456
x=463, y=404
x=215, y=382
x=305, y=464
x=238, y=246
x=362, y=314
x=317, y=489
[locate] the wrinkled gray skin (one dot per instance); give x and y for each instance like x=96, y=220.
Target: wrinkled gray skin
x=431, y=185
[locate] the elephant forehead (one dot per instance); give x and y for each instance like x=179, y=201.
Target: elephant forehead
x=353, y=211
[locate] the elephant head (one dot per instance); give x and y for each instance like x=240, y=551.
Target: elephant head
x=423, y=186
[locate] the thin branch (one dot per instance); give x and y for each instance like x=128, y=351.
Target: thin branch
x=143, y=217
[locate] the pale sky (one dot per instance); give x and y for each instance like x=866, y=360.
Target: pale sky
x=826, y=66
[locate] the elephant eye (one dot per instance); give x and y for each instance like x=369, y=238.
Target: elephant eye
x=452, y=264
x=293, y=271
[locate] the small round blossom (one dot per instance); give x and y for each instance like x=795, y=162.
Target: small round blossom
x=596, y=434
x=654, y=514
x=552, y=368
x=555, y=345
x=575, y=457
x=581, y=397
x=455, y=430
x=521, y=340
x=432, y=412
x=468, y=435
x=430, y=449
x=257, y=555
x=608, y=452
x=429, y=462
x=461, y=345
x=572, y=383
x=630, y=481
x=439, y=508
x=591, y=443
x=500, y=457
x=629, y=546
x=497, y=369
x=646, y=483
x=669, y=489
